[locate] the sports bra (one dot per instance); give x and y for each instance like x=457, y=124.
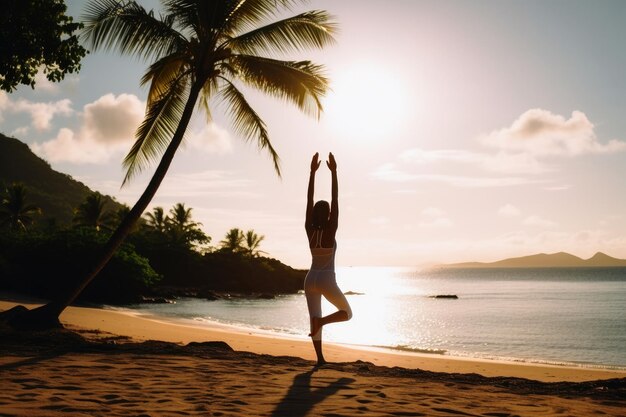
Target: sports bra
x=323, y=258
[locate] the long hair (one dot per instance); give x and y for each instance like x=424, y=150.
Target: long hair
x=321, y=211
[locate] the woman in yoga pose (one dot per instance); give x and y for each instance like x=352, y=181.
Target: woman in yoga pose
x=321, y=226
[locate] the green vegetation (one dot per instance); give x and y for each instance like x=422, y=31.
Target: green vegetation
x=15, y=212
x=165, y=254
x=34, y=34
x=57, y=194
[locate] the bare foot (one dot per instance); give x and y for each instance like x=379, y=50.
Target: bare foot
x=320, y=362
x=315, y=326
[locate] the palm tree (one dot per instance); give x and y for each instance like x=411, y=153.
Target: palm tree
x=157, y=220
x=15, y=212
x=201, y=50
x=233, y=241
x=181, y=218
x=91, y=213
x=183, y=228
x=252, y=242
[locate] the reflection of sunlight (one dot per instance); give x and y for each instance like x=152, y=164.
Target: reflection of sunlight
x=375, y=313
x=375, y=281
x=367, y=103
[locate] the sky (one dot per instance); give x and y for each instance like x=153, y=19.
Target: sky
x=463, y=131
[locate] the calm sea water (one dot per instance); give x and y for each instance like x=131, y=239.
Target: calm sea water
x=560, y=316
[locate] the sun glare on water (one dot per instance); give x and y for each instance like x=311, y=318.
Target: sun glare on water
x=367, y=103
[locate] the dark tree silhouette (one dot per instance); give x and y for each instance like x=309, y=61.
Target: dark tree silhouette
x=201, y=50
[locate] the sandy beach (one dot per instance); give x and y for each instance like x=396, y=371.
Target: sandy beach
x=113, y=363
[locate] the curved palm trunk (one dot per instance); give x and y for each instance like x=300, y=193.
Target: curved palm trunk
x=47, y=315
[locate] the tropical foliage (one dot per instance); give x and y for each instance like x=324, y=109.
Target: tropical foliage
x=165, y=251
x=93, y=213
x=252, y=242
x=35, y=34
x=15, y=211
x=233, y=241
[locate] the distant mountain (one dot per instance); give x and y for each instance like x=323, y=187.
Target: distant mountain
x=56, y=193
x=543, y=260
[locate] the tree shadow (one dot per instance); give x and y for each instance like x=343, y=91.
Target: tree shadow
x=300, y=398
x=33, y=360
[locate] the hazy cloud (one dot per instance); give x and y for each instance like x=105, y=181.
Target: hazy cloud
x=500, y=162
x=542, y=133
x=538, y=222
x=210, y=138
x=509, y=210
x=389, y=172
x=432, y=217
x=379, y=221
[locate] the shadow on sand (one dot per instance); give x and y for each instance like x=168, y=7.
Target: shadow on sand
x=302, y=396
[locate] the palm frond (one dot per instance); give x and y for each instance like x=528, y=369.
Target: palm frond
x=153, y=135
x=246, y=121
x=312, y=29
x=247, y=14
x=300, y=82
x=162, y=73
x=129, y=28
x=208, y=89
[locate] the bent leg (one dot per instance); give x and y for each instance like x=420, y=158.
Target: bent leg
x=334, y=294
x=336, y=297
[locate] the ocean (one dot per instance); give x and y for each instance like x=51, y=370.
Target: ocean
x=568, y=316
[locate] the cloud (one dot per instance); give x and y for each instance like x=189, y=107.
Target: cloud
x=210, y=138
x=41, y=114
x=538, y=222
x=434, y=218
x=517, y=152
x=177, y=186
x=379, y=221
x=43, y=84
x=389, y=172
x=106, y=128
x=509, y=210
x=542, y=133
x=112, y=119
x=500, y=162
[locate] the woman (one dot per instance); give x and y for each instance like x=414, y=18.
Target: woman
x=321, y=226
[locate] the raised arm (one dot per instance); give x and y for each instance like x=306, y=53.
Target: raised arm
x=334, y=204
x=308, y=218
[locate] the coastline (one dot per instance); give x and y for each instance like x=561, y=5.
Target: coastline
x=138, y=327
x=114, y=363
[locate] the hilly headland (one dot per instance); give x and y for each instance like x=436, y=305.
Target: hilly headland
x=547, y=260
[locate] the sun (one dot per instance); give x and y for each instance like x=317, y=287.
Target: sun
x=367, y=103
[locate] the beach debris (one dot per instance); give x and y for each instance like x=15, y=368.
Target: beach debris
x=353, y=293
x=446, y=296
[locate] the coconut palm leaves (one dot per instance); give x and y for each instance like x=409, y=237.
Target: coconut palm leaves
x=157, y=220
x=15, y=212
x=233, y=241
x=252, y=243
x=178, y=226
x=237, y=241
x=93, y=213
x=209, y=50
